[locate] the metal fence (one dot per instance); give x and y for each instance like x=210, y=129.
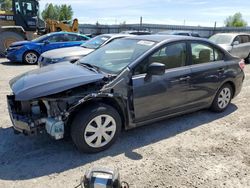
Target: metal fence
x=154, y=28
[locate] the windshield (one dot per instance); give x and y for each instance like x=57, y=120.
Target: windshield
x=221, y=39
x=95, y=42
x=116, y=55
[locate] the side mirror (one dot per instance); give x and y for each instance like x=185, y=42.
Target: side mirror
x=235, y=43
x=46, y=42
x=155, y=69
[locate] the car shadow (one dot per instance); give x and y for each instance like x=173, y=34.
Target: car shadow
x=9, y=63
x=24, y=157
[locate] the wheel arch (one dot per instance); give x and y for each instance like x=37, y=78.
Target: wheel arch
x=116, y=103
x=232, y=84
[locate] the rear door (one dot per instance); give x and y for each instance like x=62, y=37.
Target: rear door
x=208, y=69
x=165, y=94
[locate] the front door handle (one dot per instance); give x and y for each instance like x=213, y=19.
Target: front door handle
x=185, y=78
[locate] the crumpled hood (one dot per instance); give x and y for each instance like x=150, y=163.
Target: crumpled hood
x=20, y=43
x=67, y=52
x=51, y=80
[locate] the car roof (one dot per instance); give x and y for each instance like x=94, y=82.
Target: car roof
x=65, y=32
x=232, y=34
x=117, y=35
x=160, y=38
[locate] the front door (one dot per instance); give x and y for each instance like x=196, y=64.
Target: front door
x=165, y=94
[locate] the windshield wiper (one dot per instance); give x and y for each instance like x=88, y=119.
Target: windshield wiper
x=90, y=67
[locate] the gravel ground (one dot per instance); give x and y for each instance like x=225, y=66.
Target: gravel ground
x=202, y=149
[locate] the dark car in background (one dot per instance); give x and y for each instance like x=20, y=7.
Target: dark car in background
x=136, y=32
x=73, y=54
x=182, y=33
x=127, y=83
x=238, y=44
x=29, y=51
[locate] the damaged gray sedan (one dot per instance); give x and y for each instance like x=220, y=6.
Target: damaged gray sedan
x=125, y=84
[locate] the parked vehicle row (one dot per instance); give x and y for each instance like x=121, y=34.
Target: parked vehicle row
x=110, y=89
x=73, y=54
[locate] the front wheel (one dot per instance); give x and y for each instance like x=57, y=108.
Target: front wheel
x=222, y=98
x=96, y=128
x=247, y=60
x=30, y=57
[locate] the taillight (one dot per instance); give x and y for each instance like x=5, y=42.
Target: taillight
x=242, y=64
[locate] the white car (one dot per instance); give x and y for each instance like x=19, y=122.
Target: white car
x=238, y=44
x=73, y=54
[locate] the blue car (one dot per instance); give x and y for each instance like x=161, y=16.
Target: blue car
x=29, y=51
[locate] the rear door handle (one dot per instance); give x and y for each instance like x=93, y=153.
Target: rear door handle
x=185, y=78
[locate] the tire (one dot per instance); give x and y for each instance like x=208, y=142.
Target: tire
x=247, y=60
x=6, y=38
x=89, y=123
x=222, y=99
x=30, y=57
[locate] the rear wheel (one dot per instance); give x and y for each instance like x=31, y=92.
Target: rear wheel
x=96, y=128
x=30, y=57
x=6, y=38
x=222, y=98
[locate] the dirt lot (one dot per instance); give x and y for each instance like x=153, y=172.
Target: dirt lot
x=202, y=149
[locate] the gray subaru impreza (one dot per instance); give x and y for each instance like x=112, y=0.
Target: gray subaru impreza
x=127, y=83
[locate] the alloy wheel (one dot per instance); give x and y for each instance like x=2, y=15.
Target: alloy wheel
x=31, y=58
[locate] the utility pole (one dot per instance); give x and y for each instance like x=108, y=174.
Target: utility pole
x=141, y=23
x=214, y=27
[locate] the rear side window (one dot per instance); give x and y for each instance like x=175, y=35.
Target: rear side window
x=81, y=38
x=202, y=53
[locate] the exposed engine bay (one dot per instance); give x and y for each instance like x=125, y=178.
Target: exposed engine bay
x=49, y=113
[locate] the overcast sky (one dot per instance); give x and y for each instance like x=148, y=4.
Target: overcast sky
x=190, y=12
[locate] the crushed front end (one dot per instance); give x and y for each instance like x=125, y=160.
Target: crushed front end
x=37, y=116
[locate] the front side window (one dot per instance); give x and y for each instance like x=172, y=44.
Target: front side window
x=244, y=39
x=172, y=56
x=202, y=53
x=56, y=38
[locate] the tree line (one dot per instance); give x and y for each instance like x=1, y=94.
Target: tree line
x=57, y=12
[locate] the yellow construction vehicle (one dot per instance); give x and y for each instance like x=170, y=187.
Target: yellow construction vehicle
x=19, y=20
x=54, y=26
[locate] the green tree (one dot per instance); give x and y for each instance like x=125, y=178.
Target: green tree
x=57, y=12
x=50, y=12
x=235, y=21
x=6, y=5
x=66, y=12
